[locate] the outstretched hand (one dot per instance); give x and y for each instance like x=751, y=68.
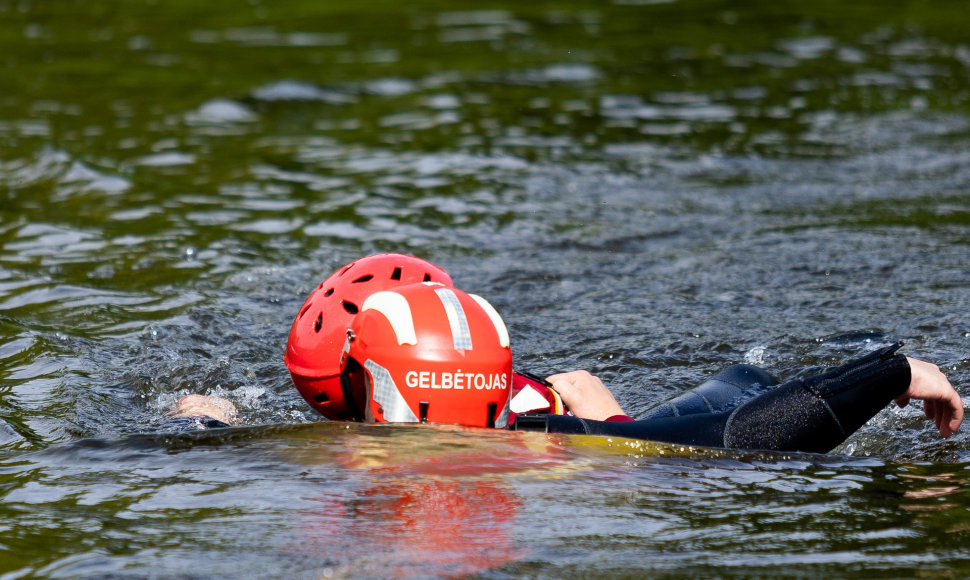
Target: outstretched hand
x=941, y=403
x=585, y=395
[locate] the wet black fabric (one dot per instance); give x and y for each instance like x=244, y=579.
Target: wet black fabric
x=182, y=424
x=813, y=414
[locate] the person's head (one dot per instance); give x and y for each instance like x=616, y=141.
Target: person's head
x=317, y=336
x=428, y=353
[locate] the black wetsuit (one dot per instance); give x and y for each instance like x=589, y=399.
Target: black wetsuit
x=182, y=424
x=740, y=408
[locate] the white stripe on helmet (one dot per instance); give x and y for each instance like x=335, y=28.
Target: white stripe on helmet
x=396, y=309
x=503, y=332
x=456, y=318
x=503, y=418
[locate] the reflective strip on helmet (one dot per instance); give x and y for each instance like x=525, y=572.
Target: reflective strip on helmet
x=503, y=419
x=503, y=332
x=386, y=395
x=456, y=318
x=397, y=311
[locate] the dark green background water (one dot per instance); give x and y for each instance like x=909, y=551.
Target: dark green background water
x=650, y=190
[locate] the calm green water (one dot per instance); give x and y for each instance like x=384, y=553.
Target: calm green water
x=650, y=190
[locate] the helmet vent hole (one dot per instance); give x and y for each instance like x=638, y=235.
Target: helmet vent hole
x=319, y=323
x=350, y=307
x=396, y=275
x=328, y=292
x=321, y=398
x=304, y=311
x=427, y=277
x=363, y=279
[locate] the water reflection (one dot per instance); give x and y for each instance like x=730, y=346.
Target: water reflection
x=379, y=501
x=938, y=487
x=442, y=507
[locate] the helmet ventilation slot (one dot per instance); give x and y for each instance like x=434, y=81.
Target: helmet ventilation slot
x=305, y=308
x=396, y=274
x=319, y=323
x=363, y=279
x=350, y=307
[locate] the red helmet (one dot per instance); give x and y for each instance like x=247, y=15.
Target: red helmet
x=318, y=333
x=428, y=353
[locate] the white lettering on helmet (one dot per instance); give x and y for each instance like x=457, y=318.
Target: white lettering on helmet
x=456, y=380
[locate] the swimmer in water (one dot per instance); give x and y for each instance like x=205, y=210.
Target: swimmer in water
x=812, y=414
x=587, y=396
x=444, y=358
x=202, y=412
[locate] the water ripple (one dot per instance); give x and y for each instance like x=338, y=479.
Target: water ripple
x=639, y=191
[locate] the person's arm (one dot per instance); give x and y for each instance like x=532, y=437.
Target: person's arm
x=585, y=395
x=588, y=398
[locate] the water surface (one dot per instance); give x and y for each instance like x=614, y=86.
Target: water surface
x=650, y=190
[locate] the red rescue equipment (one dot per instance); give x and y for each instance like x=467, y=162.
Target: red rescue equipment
x=428, y=353
x=319, y=331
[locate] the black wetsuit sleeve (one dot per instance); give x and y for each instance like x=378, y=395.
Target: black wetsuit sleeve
x=818, y=413
x=812, y=414
x=182, y=424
